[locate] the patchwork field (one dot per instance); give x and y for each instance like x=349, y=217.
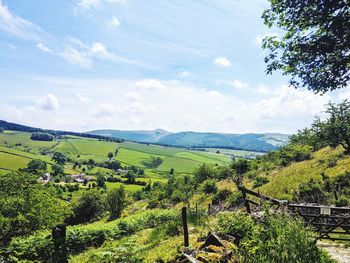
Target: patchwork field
x=17, y=149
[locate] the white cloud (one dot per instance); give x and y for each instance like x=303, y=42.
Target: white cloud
x=43, y=48
x=151, y=84
x=99, y=49
x=90, y=4
x=104, y=110
x=237, y=84
x=18, y=26
x=222, y=62
x=183, y=74
x=74, y=56
x=114, y=22
x=134, y=96
x=49, y=102
x=83, y=99
x=173, y=105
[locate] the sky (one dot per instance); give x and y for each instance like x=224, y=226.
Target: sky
x=178, y=65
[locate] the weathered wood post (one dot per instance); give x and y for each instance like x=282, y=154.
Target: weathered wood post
x=209, y=209
x=197, y=213
x=59, y=244
x=184, y=222
x=246, y=203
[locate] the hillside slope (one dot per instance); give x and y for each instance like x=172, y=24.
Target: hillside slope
x=283, y=181
x=254, y=142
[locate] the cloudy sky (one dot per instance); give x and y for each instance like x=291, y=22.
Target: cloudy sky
x=134, y=64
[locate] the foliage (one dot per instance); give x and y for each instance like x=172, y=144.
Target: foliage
x=57, y=169
x=101, y=179
x=260, y=181
x=154, y=162
x=26, y=206
x=274, y=238
x=59, y=158
x=89, y=207
x=38, y=247
x=314, y=50
x=209, y=186
x=205, y=172
x=40, y=136
x=116, y=202
x=325, y=191
x=36, y=166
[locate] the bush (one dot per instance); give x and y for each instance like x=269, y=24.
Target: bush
x=275, y=238
x=260, y=181
x=209, y=186
x=221, y=196
x=38, y=247
x=89, y=207
x=342, y=201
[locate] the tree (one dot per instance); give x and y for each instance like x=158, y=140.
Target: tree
x=336, y=128
x=89, y=207
x=240, y=167
x=40, y=136
x=131, y=177
x=101, y=179
x=57, y=169
x=59, y=158
x=26, y=206
x=205, y=172
x=116, y=201
x=315, y=49
x=116, y=152
x=36, y=166
x=110, y=156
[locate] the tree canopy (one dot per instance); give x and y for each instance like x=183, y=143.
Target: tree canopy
x=26, y=206
x=315, y=48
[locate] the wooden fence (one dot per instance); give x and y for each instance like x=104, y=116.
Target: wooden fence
x=329, y=222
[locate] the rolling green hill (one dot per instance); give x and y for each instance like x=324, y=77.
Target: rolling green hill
x=17, y=149
x=253, y=142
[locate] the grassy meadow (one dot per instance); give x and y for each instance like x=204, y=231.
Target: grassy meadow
x=17, y=150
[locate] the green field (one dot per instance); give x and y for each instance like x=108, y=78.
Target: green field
x=17, y=149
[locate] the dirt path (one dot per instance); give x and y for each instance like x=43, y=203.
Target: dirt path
x=338, y=252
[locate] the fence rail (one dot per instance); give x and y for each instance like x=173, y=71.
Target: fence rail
x=327, y=221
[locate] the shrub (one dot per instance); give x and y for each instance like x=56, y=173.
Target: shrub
x=209, y=186
x=342, y=201
x=275, y=238
x=38, y=247
x=259, y=181
x=89, y=207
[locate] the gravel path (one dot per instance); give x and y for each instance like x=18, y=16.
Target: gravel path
x=338, y=252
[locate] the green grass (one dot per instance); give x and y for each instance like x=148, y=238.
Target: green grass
x=132, y=188
x=183, y=161
x=12, y=162
x=285, y=180
x=132, y=157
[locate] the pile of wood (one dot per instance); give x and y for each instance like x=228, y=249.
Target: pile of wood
x=214, y=248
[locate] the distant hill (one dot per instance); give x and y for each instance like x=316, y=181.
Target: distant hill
x=137, y=136
x=250, y=141
x=4, y=125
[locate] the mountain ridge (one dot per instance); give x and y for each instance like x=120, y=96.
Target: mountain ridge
x=248, y=141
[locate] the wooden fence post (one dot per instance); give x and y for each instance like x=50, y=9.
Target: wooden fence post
x=184, y=222
x=59, y=244
x=197, y=213
x=246, y=203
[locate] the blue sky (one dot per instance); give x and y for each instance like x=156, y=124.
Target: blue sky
x=134, y=64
